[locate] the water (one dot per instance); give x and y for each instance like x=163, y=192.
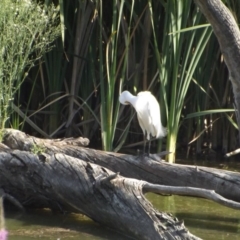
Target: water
x=202, y=217
x=44, y=225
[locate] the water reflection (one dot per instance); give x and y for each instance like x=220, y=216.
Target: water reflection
x=202, y=217
x=42, y=224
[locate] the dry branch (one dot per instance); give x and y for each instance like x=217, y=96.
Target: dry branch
x=190, y=191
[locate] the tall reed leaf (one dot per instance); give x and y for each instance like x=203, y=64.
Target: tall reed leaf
x=177, y=58
x=111, y=76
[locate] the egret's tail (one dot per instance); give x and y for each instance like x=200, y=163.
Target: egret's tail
x=163, y=132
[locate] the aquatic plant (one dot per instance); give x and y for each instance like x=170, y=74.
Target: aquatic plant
x=26, y=33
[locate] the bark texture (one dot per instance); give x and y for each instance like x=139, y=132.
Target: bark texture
x=66, y=177
x=64, y=183
x=225, y=183
x=228, y=35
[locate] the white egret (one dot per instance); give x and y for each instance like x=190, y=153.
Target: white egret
x=148, y=114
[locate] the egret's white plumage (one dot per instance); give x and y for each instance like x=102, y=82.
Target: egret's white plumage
x=148, y=113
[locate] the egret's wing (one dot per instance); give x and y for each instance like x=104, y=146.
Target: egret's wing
x=154, y=116
x=143, y=114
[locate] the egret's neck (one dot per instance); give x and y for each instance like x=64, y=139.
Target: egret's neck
x=132, y=99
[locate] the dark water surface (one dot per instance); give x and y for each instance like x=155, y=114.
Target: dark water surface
x=42, y=224
x=203, y=218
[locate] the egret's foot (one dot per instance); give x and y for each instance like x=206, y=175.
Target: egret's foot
x=153, y=156
x=142, y=153
x=144, y=156
x=156, y=157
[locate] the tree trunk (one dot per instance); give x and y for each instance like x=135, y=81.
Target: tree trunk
x=228, y=35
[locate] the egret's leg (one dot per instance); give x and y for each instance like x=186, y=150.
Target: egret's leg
x=144, y=144
x=149, y=144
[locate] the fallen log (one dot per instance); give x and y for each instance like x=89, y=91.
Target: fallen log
x=61, y=182
x=224, y=183
x=103, y=195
